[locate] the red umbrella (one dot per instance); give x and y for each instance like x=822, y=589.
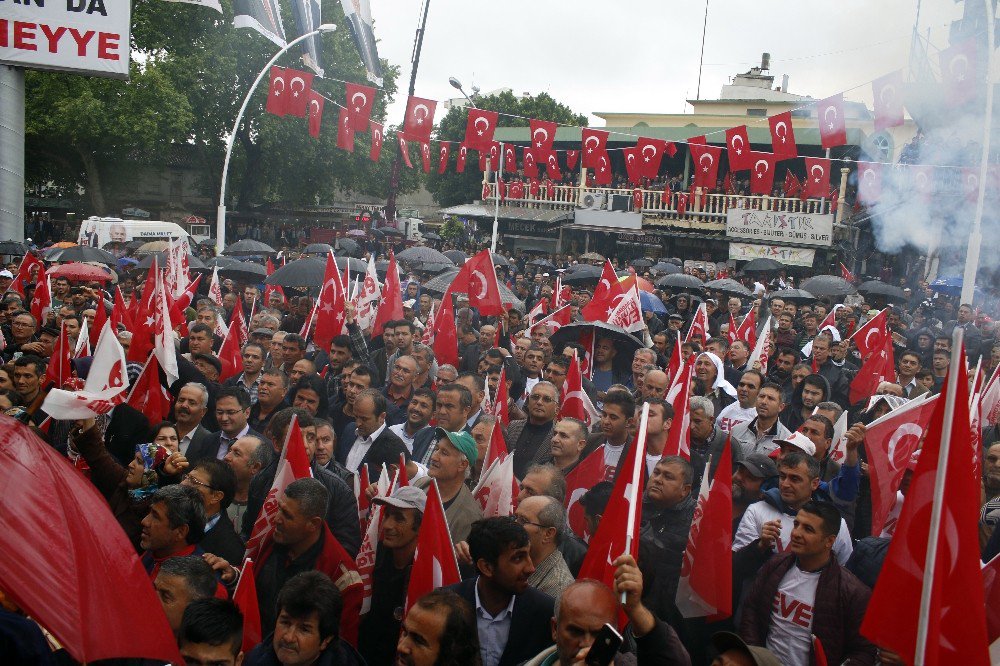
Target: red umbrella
x=67, y=563
x=80, y=272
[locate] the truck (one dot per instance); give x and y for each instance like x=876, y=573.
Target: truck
x=99, y=231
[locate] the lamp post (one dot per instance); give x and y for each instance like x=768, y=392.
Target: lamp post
x=220, y=221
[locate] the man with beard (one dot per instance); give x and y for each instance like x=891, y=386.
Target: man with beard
x=189, y=409
x=780, y=370
x=751, y=475
x=710, y=381
x=812, y=391
x=989, y=515
x=415, y=433
x=758, y=435
x=439, y=630
x=246, y=457
x=835, y=376
x=604, y=373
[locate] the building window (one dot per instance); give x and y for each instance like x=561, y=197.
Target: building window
x=757, y=113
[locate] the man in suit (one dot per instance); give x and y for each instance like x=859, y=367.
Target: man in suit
x=368, y=441
x=215, y=481
x=531, y=439
x=512, y=617
x=232, y=411
x=189, y=409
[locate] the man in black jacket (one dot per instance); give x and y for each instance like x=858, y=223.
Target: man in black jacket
x=517, y=615
x=215, y=481
x=368, y=440
x=232, y=410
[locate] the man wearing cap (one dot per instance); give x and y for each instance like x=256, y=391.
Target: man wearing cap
x=451, y=463
x=838, y=482
x=6, y=277
x=733, y=651
x=402, y=514
x=751, y=474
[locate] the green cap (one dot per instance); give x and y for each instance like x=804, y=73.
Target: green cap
x=462, y=441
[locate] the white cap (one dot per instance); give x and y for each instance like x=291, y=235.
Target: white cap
x=800, y=441
x=409, y=303
x=6, y=274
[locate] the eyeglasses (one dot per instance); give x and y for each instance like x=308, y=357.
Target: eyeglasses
x=521, y=520
x=228, y=412
x=188, y=477
x=541, y=398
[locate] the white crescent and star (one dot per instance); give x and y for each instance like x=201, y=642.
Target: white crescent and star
x=826, y=115
x=781, y=124
x=586, y=144
x=760, y=174
x=277, y=92
x=905, y=429
x=888, y=95
x=295, y=93
x=651, y=147
x=486, y=125
x=545, y=136
x=364, y=101
x=739, y=151
x=962, y=59
x=482, y=283
x=813, y=169
x=418, y=116
x=711, y=161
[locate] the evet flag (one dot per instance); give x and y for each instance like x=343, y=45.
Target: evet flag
x=105, y=386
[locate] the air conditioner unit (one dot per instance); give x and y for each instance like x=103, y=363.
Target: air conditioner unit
x=594, y=200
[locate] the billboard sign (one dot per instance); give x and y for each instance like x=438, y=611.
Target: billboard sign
x=791, y=256
x=79, y=36
x=767, y=227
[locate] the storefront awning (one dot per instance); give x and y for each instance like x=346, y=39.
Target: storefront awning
x=543, y=215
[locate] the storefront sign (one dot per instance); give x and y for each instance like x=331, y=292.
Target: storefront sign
x=792, y=256
x=765, y=226
x=522, y=228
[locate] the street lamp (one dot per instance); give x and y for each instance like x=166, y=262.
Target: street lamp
x=220, y=221
x=455, y=83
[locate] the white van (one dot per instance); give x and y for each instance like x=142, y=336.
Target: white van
x=99, y=231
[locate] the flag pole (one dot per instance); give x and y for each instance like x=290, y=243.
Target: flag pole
x=640, y=446
x=930, y=560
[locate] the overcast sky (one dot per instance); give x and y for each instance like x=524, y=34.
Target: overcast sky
x=642, y=56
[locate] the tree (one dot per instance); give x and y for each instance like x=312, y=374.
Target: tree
x=452, y=229
x=452, y=188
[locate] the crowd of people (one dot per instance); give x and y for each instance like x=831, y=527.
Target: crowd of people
x=188, y=491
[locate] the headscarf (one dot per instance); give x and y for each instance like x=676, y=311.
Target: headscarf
x=152, y=455
x=720, y=374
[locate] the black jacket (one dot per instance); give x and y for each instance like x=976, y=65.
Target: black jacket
x=338, y=653
x=663, y=538
x=791, y=415
x=530, y=624
x=385, y=449
x=208, y=448
x=222, y=540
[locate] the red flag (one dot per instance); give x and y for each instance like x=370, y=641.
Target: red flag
x=970, y=184
x=762, y=175
x=650, y=155
x=41, y=300
x=529, y=161
x=594, y=145
x=783, y=137
x=478, y=279
x=731, y=333
x=869, y=181
x=292, y=464
x=60, y=370
x=182, y=303
x=706, y=160
x=361, y=483
x=510, y=158
x=419, y=120
x=299, y=89
x=501, y=400
x=463, y=154
x=637, y=199
x=516, y=190
x=705, y=587
x=404, y=150
x=846, y=274
x=377, y=137
x=832, y=125
x=245, y=598
x=434, y=563
x=425, y=156
x=543, y=134
x=444, y=150
x=552, y=167
x=738, y=145
x=329, y=306
x=889, y=443
x=575, y=403
x=748, y=329
x=602, y=173
x=148, y=395
x=607, y=294
x=492, y=154
x=679, y=436
x=359, y=101
x=921, y=176
x=580, y=479
x=497, y=448
x=391, y=306
x=277, y=92
x=446, y=335
x=699, y=326
x=959, y=71
x=878, y=367
x=944, y=480
x=479, y=129
x=316, y=104
x=572, y=156
x=887, y=92
x=230, y=355
x=819, y=654
x=100, y=319
x=817, y=182
x=345, y=134
x=698, y=140
x=793, y=187
x=870, y=337
x=632, y=165
x=402, y=479
x=29, y=264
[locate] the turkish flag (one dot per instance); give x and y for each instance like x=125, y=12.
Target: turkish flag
x=60, y=368
x=516, y=190
x=492, y=154
x=359, y=102
x=869, y=181
x=705, y=587
x=706, y=164
x=970, y=184
x=632, y=168
x=419, y=120
x=762, y=173
x=425, y=157
x=846, y=274
x=497, y=448
x=594, y=144
x=887, y=92
x=529, y=162
x=575, y=402
x=377, y=137
x=41, y=300
x=607, y=295
x=403, y=150
x=316, y=103
x=543, y=134
x=434, y=563
x=148, y=394
x=956, y=615
x=877, y=368
x=444, y=150
x=698, y=140
x=587, y=473
x=299, y=88
x=817, y=181
x=497, y=488
x=552, y=167
x=699, y=326
x=602, y=173
x=100, y=319
x=463, y=154
x=182, y=303
x=731, y=333
x=479, y=129
x=793, y=187
x=391, y=306
x=329, y=306
x=500, y=410
x=446, y=335
x=637, y=199
x=534, y=188
x=921, y=178
x=277, y=92
x=361, y=483
x=783, y=137
x=832, y=124
x=960, y=71
x=679, y=436
x=29, y=264
x=870, y=337
x=230, y=355
x=738, y=145
x=650, y=154
x=103, y=389
x=572, y=157
x=478, y=279
x=510, y=159
x=245, y=598
x=345, y=133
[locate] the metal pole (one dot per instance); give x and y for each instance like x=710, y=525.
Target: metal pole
x=220, y=220
x=496, y=206
x=976, y=234
x=11, y=153
x=701, y=59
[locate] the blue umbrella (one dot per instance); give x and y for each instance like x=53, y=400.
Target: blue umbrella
x=951, y=286
x=651, y=303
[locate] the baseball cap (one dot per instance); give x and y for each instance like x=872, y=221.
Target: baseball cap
x=6, y=274
x=760, y=466
x=211, y=359
x=263, y=332
x=462, y=441
x=406, y=497
x=800, y=441
x=724, y=641
x=410, y=303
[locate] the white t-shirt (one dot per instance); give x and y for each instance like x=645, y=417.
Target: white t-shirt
x=733, y=415
x=790, y=636
x=651, y=460
x=612, y=454
x=761, y=512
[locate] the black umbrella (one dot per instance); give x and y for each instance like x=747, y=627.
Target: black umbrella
x=582, y=274
x=500, y=261
x=381, y=268
x=390, y=231
x=83, y=253
x=457, y=257
x=244, y=272
x=438, y=285
x=625, y=342
x=879, y=288
x=348, y=246
x=728, y=286
x=355, y=265
x=135, y=244
x=221, y=262
x=666, y=268
x=317, y=248
x=430, y=235
x=542, y=263
x=306, y=272
x=13, y=248
x=793, y=295
x=680, y=281
x=641, y=263
x=532, y=250
x=421, y=254
x=828, y=285
x=762, y=266
x=433, y=267
x=248, y=247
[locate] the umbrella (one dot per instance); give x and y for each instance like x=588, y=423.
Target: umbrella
x=440, y=284
x=431, y=236
x=950, y=285
x=651, y=303
x=348, y=246
x=582, y=274
x=83, y=253
x=317, y=248
x=433, y=267
x=126, y=263
x=64, y=244
x=680, y=281
x=244, y=272
x=592, y=256
x=762, y=266
x=221, y=262
x=381, y=267
x=390, y=231
x=423, y=254
x=357, y=233
x=135, y=243
x=542, y=263
x=666, y=268
x=641, y=263
x=13, y=248
x=306, y=272
x=500, y=261
x=194, y=263
x=727, y=286
x=457, y=256
x=63, y=553
x=248, y=247
x=828, y=285
x=81, y=272
x=793, y=295
x=627, y=278
x=355, y=265
x=879, y=288
x=625, y=342
x=152, y=246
